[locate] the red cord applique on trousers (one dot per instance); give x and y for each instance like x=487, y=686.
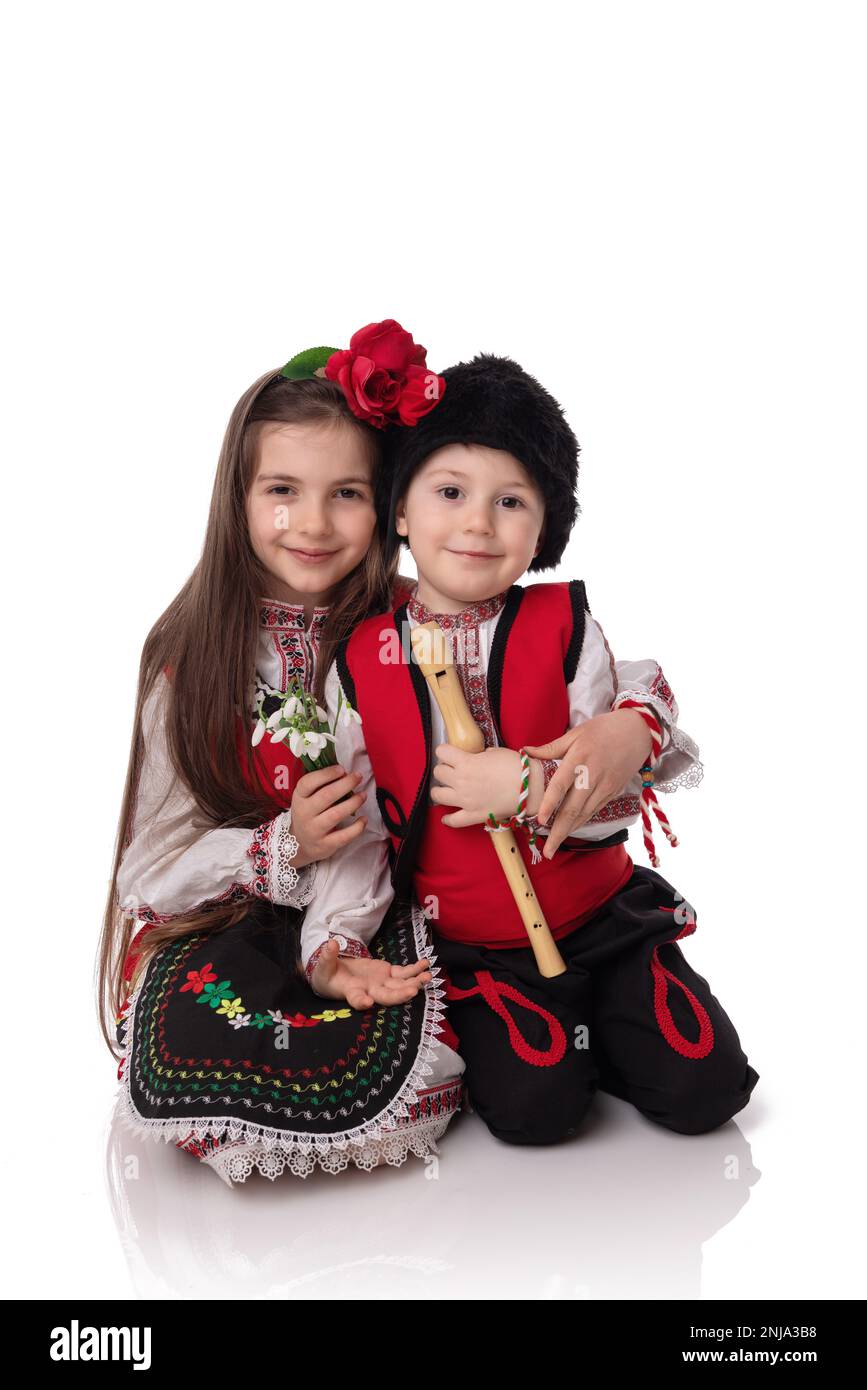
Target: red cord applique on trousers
x=495, y=993
x=667, y=1025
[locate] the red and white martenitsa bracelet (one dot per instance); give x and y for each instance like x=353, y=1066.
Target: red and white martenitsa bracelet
x=648, y=799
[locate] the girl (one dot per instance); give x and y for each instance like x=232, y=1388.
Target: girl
x=220, y=843
x=224, y=839
x=483, y=488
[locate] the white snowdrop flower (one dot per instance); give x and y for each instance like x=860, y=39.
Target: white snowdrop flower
x=306, y=744
x=259, y=732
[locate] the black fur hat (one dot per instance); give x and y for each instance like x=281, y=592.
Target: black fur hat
x=492, y=401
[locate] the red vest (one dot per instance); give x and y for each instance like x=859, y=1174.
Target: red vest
x=455, y=873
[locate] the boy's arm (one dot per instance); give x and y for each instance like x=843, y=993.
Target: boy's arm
x=678, y=763
x=601, y=685
x=353, y=887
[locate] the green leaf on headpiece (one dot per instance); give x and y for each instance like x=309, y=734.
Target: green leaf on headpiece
x=307, y=363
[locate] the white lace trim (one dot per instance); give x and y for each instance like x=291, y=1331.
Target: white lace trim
x=691, y=775
x=679, y=742
x=305, y=1151
x=305, y=890
x=283, y=849
x=235, y=1162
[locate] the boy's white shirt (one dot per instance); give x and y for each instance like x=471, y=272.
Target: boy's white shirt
x=353, y=889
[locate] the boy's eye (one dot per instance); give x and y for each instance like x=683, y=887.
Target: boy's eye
x=450, y=492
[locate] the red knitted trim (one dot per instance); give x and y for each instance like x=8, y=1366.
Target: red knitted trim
x=667, y=1025
x=259, y=850
x=659, y=686
x=495, y=992
x=549, y=768
x=472, y=615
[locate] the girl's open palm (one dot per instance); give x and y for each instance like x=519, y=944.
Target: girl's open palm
x=363, y=983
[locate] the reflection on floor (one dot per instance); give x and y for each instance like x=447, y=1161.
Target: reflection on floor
x=620, y=1211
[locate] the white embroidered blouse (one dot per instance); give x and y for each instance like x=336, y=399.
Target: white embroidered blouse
x=353, y=888
x=175, y=861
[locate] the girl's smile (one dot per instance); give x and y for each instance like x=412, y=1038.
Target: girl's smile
x=311, y=557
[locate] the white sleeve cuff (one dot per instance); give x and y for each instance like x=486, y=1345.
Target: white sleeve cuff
x=678, y=764
x=655, y=704
x=272, y=849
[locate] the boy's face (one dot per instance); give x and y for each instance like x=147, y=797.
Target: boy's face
x=473, y=518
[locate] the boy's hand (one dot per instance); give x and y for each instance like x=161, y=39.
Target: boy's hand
x=363, y=983
x=611, y=747
x=316, y=813
x=479, y=783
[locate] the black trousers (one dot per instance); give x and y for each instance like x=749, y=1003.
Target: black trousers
x=630, y=1017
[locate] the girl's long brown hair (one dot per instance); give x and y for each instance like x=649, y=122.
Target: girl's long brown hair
x=210, y=630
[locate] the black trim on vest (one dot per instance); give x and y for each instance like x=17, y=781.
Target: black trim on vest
x=345, y=674
x=395, y=823
x=404, y=865
x=498, y=653
x=578, y=599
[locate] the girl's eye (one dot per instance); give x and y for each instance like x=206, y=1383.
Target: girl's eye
x=449, y=488
x=280, y=489
x=517, y=500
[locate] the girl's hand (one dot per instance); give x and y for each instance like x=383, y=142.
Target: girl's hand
x=479, y=783
x=316, y=813
x=363, y=983
x=609, y=749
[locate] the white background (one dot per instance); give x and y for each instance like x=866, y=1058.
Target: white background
x=659, y=211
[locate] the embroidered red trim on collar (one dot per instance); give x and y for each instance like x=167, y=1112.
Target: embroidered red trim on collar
x=473, y=613
x=275, y=614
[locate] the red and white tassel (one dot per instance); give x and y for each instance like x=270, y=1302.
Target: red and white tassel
x=649, y=800
x=520, y=817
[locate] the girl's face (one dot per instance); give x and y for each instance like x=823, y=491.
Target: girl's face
x=310, y=508
x=473, y=518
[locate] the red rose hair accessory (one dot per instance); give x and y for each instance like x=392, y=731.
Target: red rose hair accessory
x=383, y=374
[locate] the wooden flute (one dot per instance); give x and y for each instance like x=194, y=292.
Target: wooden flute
x=434, y=658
